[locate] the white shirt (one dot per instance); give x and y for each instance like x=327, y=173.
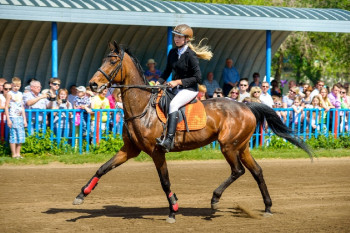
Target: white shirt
x=181, y=50
x=242, y=96
x=266, y=99
x=314, y=93
x=2, y=100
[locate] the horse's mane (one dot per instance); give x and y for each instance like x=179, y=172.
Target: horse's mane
x=137, y=64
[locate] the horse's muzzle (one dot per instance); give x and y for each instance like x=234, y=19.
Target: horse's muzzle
x=94, y=86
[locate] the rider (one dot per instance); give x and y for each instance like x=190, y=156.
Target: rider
x=183, y=60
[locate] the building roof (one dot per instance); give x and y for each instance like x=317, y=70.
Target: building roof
x=170, y=13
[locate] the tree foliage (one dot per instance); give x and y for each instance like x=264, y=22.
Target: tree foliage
x=308, y=55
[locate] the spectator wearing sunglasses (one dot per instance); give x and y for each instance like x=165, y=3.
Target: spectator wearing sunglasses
x=233, y=94
x=265, y=97
x=3, y=92
x=288, y=100
x=6, y=88
x=243, y=87
x=317, y=89
x=277, y=103
x=344, y=100
x=54, y=87
x=255, y=93
x=2, y=81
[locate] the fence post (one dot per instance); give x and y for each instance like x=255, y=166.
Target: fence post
x=97, y=125
x=261, y=134
x=2, y=126
x=336, y=124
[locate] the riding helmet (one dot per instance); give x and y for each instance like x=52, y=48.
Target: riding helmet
x=183, y=30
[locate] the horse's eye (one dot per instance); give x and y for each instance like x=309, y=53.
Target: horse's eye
x=113, y=62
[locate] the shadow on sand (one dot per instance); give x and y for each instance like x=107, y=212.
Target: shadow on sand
x=145, y=213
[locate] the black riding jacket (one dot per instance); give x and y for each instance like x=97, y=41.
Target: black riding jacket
x=186, y=68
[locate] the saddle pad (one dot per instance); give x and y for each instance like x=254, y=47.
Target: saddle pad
x=195, y=114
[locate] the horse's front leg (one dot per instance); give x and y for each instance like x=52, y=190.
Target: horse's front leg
x=162, y=169
x=125, y=153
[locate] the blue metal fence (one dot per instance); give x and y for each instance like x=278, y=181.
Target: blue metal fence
x=73, y=125
x=76, y=126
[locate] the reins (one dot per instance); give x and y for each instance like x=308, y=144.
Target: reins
x=153, y=89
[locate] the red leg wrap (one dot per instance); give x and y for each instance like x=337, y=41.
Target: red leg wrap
x=92, y=184
x=174, y=204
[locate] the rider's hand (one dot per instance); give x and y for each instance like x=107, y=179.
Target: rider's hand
x=174, y=83
x=157, y=83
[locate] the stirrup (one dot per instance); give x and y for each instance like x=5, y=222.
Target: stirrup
x=159, y=140
x=164, y=147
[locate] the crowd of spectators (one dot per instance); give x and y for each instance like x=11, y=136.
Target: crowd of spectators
x=297, y=99
x=55, y=97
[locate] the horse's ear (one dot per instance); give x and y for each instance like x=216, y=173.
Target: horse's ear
x=117, y=49
x=111, y=46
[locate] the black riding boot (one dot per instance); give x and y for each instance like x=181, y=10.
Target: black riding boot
x=167, y=143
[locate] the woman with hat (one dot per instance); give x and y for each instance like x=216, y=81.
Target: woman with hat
x=152, y=74
x=183, y=60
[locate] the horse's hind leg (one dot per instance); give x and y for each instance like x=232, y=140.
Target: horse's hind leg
x=125, y=153
x=237, y=170
x=162, y=169
x=254, y=168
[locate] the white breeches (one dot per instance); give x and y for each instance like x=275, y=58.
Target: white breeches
x=182, y=97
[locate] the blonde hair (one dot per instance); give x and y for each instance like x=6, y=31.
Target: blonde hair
x=16, y=80
x=319, y=100
x=202, y=88
x=295, y=89
x=254, y=89
x=59, y=92
x=236, y=89
x=202, y=52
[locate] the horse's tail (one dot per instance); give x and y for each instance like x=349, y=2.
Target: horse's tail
x=262, y=111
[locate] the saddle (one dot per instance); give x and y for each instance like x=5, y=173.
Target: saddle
x=192, y=116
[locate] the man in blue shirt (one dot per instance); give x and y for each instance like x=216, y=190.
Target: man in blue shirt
x=230, y=76
x=211, y=85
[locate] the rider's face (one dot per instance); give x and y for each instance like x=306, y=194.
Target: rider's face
x=179, y=40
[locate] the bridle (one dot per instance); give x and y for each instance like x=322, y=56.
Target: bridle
x=115, y=71
x=153, y=89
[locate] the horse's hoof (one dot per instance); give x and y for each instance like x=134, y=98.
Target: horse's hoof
x=215, y=206
x=267, y=214
x=170, y=220
x=78, y=201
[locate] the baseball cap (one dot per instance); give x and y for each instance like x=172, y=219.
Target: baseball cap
x=151, y=61
x=81, y=88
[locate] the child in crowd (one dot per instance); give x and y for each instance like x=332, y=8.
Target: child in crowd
x=202, y=90
x=100, y=102
x=61, y=127
x=81, y=101
x=16, y=118
x=316, y=104
x=277, y=103
x=298, y=110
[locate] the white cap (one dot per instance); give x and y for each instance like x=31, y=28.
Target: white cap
x=81, y=88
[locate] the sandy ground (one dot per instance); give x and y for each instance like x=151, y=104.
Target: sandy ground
x=307, y=197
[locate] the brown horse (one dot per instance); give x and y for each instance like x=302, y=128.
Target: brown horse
x=230, y=123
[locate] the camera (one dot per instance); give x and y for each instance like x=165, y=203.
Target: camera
x=50, y=98
x=64, y=101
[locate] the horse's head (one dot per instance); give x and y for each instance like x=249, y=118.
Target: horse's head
x=110, y=71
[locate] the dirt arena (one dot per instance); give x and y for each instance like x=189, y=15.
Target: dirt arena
x=307, y=197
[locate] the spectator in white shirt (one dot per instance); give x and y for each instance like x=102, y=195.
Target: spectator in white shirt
x=265, y=97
